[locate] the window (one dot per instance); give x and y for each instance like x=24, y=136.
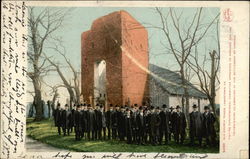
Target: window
x=141, y=46
x=92, y=45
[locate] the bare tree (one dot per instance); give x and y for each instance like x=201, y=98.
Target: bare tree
x=208, y=79
x=41, y=27
x=188, y=36
x=73, y=89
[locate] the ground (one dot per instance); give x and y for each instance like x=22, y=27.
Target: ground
x=45, y=132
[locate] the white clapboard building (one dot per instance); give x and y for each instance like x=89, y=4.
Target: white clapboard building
x=165, y=88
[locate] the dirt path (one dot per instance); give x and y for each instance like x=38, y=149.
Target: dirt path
x=36, y=146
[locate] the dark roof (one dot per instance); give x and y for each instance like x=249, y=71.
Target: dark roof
x=171, y=82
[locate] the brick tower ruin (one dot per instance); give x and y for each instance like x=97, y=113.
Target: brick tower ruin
x=119, y=44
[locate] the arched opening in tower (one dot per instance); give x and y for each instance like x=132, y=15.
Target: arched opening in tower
x=100, y=79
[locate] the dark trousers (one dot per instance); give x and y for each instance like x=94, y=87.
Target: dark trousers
x=65, y=130
x=104, y=132
x=163, y=133
x=140, y=136
x=134, y=135
x=109, y=133
x=179, y=137
x=114, y=133
x=77, y=133
x=59, y=130
x=192, y=140
x=155, y=135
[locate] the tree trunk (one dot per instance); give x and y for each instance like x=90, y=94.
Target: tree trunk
x=38, y=100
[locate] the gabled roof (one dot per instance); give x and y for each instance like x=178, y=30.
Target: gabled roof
x=171, y=82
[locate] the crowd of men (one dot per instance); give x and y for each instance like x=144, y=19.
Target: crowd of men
x=138, y=125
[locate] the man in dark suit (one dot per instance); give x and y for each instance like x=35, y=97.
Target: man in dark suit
x=195, y=128
x=103, y=122
x=140, y=126
x=147, y=127
x=108, y=119
x=121, y=123
x=66, y=117
x=208, y=126
x=164, y=127
x=57, y=118
x=91, y=122
x=155, y=122
x=133, y=123
x=128, y=126
x=72, y=122
x=114, y=121
x=77, y=119
x=83, y=120
x=171, y=123
x=180, y=123
x=97, y=124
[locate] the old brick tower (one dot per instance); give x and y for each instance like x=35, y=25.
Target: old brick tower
x=114, y=60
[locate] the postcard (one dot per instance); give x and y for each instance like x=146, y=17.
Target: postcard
x=124, y=79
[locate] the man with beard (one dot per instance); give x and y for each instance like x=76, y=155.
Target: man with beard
x=66, y=116
x=77, y=119
x=164, y=126
x=208, y=126
x=140, y=126
x=57, y=118
x=180, y=125
x=109, y=119
x=128, y=126
x=91, y=121
x=195, y=129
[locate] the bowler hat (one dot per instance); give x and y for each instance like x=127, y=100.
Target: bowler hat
x=206, y=107
x=140, y=108
x=178, y=107
x=164, y=106
x=194, y=106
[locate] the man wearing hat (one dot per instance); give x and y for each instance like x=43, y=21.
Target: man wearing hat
x=91, y=122
x=179, y=125
x=121, y=123
x=128, y=128
x=208, y=126
x=171, y=123
x=66, y=117
x=108, y=119
x=103, y=123
x=155, y=122
x=77, y=119
x=97, y=124
x=146, y=125
x=140, y=126
x=57, y=118
x=72, y=122
x=114, y=122
x=164, y=127
x=195, y=128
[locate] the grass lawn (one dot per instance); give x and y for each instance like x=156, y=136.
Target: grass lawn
x=45, y=132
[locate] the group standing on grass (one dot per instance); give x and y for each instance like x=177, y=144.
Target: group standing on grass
x=139, y=125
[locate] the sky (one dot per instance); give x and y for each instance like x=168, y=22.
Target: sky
x=80, y=20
